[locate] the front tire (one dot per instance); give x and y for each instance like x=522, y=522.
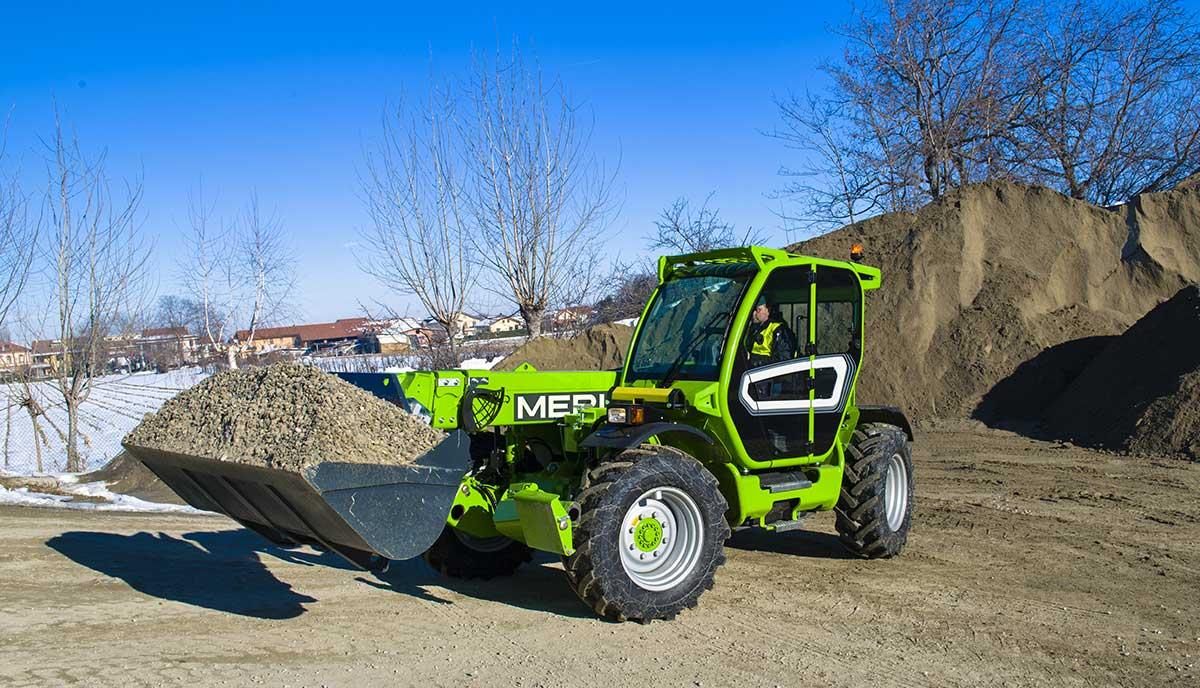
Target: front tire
x=874, y=512
x=458, y=555
x=651, y=535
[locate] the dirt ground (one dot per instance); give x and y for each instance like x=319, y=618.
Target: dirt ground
x=1030, y=564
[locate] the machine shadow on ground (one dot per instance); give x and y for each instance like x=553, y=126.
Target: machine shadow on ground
x=221, y=570
x=537, y=586
x=798, y=543
x=216, y=570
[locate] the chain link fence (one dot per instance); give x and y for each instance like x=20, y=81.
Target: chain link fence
x=33, y=418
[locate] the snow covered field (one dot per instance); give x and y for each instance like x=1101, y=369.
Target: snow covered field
x=116, y=405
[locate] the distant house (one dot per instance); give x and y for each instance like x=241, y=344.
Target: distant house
x=47, y=356
x=343, y=334
x=570, y=316
x=167, y=346
x=460, y=325
x=395, y=337
x=499, y=325
x=15, y=358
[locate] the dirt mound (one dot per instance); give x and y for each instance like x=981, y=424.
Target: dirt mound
x=602, y=347
x=128, y=476
x=983, y=281
x=284, y=416
x=1142, y=393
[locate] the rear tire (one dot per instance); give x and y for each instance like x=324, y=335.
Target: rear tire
x=874, y=512
x=458, y=555
x=650, y=537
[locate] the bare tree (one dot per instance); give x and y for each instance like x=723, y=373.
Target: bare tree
x=178, y=313
x=630, y=286
x=1098, y=100
x=1117, y=99
x=681, y=229
x=207, y=273
x=930, y=85
x=919, y=105
x=96, y=259
x=18, y=236
x=265, y=265
x=538, y=197
x=181, y=318
x=243, y=272
x=420, y=240
x=835, y=185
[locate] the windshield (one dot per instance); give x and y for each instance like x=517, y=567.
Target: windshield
x=685, y=328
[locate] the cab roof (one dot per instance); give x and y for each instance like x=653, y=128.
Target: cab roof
x=754, y=259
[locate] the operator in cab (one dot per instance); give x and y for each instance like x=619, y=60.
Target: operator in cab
x=769, y=338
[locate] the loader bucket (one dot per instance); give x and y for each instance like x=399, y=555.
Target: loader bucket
x=364, y=512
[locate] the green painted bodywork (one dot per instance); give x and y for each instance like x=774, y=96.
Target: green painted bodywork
x=538, y=440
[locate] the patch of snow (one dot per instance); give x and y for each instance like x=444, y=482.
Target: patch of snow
x=628, y=322
x=480, y=363
x=23, y=496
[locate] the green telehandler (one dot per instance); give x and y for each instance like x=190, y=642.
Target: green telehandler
x=735, y=408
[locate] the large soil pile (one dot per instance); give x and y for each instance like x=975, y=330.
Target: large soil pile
x=602, y=347
x=1142, y=393
x=979, y=284
x=284, y=416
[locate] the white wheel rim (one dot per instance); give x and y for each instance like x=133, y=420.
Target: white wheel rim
x=491, y=544
x=895, y=496
x=662, y=563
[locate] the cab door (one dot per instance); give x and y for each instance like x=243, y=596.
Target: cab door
x=789, y=409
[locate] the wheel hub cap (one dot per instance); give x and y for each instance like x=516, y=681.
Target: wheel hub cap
x=662, y=536
x=648, y=534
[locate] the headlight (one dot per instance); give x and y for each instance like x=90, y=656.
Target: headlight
x=627, y=415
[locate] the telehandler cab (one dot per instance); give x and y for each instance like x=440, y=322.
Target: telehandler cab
x=735, y=408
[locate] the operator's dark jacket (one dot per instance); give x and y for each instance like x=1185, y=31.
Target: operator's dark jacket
x=770, y=342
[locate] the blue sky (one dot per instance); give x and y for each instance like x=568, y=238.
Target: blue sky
x=282, y=99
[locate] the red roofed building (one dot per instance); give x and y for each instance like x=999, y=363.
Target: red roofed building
x=313, y=337
x=14, y=358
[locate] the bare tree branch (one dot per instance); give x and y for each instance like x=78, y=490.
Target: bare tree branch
x=679, y=229
x=97, y=259
x=1098, y=100
x=420, y=243
x=18, y=236
x=243, y=272
x=538, y=197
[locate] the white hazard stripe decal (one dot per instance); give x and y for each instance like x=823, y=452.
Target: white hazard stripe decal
x=841, y=364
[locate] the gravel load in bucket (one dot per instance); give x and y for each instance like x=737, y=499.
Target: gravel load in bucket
x=287, y=417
